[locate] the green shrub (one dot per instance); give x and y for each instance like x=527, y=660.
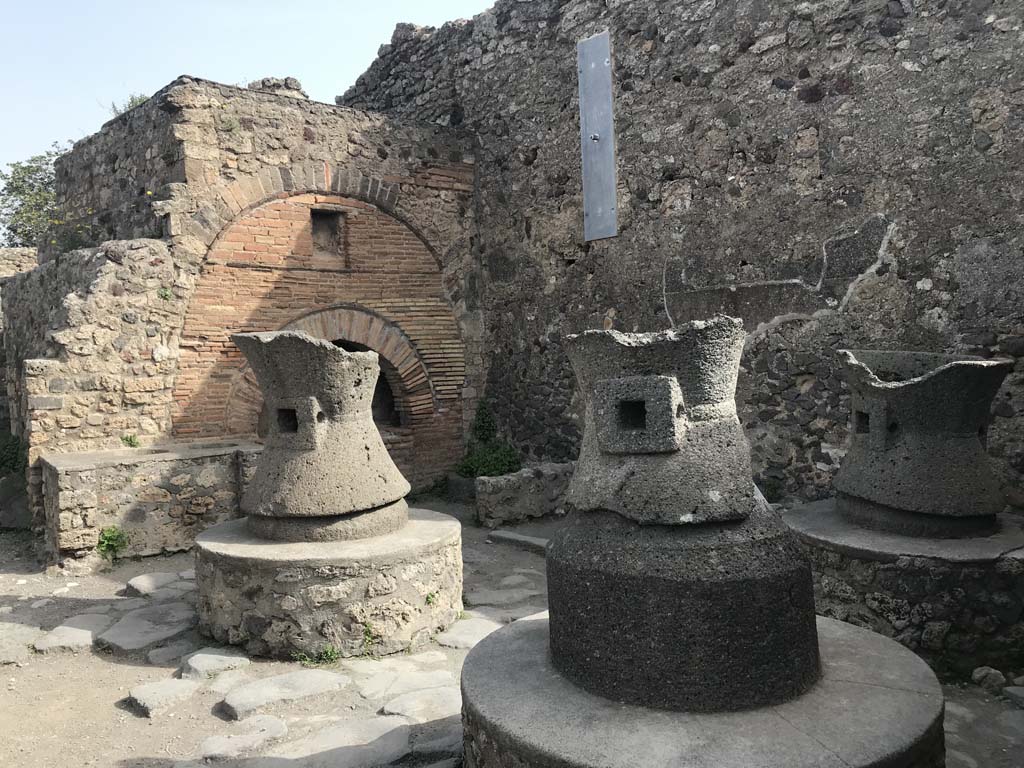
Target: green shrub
x=489, y=459
x=112, y=541
x=13, y=455
x=484, y=429
x=487, y=455
x=131, y=441
x=327, y=655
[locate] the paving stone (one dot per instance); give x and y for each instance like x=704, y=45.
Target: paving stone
x=399, y=665
x=1015, y=693
x=388, y=684
x=166, y=655
x=300, y=684
x=515, y=580
x=253, y=732
x=182, y=586
x=147, y=626
x=467, y=632
x=167, y=593
x=506, y=614
x=427, y=705
x=226, y=682
x=189, y=575
x=529, y=543
x=210, y=662
x=349, y=744
x=154, y=698
x=491, y=596
x=42, y=603
x=131, y=604
x=16, y=641
x=76, y=633
x=148, y=583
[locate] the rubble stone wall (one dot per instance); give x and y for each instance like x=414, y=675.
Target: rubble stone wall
x=957, y=617
x=532, y=492
x=160, y=499
x=838, y=173
x=230, y=160
x=12, y=262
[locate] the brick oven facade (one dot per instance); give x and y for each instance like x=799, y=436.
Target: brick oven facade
x=220, y=210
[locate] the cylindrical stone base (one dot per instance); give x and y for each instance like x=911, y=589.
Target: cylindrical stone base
x=374, y=596
x=699, y=618
x=955, y=602
x=875, y=705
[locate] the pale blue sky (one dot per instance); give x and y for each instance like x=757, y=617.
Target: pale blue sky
x=66, y=60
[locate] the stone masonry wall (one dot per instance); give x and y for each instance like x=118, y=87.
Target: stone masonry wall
x=107, y=183
x=12, y=262
x=532, y=492
x=240, y=148
x=956, y=616
x=159, y=499
x=839, y=173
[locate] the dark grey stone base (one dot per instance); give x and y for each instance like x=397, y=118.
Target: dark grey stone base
x=878, y=517
x=699, y=618
x=374, y=596
x=958, y=603
x=875, y=705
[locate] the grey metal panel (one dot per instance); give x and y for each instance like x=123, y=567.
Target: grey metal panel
x=597, y=136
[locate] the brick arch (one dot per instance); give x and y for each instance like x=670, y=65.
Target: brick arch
x=229, y=201
x=407, y=374
x=377, y=284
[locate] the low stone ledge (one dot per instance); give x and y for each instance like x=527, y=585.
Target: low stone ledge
x=529, y=493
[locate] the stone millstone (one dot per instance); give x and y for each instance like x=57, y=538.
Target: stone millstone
x=695, y=618
x=324, y=456
x=914, y=443
x=661, y=441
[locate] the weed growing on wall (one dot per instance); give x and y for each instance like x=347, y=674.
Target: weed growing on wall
x=112, y=541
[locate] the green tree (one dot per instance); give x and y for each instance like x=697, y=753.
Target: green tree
x=28, y=199
x=133, y=100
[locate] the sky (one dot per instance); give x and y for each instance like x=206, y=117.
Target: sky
x=67, y=60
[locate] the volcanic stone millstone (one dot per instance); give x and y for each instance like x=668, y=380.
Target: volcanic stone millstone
x=705, y=618
x=914, y=443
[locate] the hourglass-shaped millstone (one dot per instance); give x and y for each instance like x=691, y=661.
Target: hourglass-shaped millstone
x=916, y=464
x=324, y=473
x=674, y=585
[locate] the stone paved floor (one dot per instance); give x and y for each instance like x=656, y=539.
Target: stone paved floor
x=69, y=707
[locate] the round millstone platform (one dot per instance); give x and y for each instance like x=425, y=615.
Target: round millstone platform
x=953, y=601
x=876, y=704
x=374, y=595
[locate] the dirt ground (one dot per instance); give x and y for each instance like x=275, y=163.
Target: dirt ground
x=69, y=709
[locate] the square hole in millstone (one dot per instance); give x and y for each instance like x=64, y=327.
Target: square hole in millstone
x=633, y=414
x=861, y=422
x=287, y=420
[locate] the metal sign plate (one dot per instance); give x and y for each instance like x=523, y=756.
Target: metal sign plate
x=597, y=136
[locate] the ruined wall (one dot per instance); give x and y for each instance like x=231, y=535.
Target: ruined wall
x=839, y=173
x=159, y=499
x=107, y=183
x=12, y=262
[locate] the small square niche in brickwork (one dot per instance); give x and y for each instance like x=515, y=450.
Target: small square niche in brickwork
x=638, y=414
x=328, y=232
